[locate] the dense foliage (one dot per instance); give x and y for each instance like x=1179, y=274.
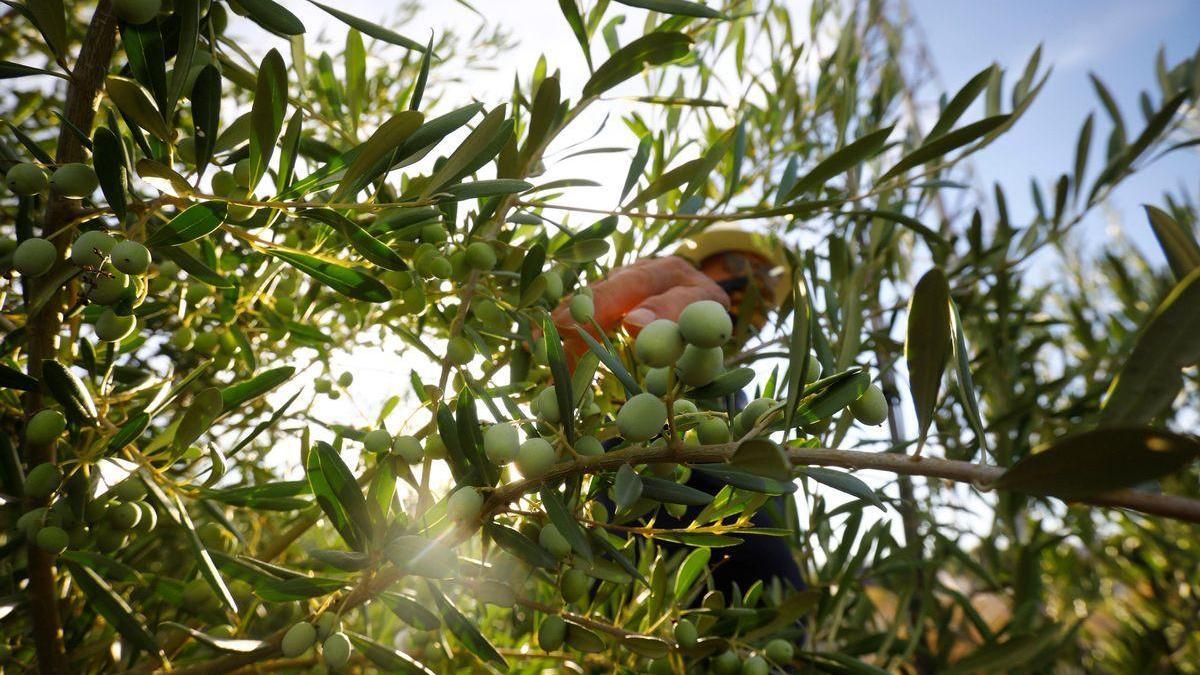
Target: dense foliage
x=201, y=217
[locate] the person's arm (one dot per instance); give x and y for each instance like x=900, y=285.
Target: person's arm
x=634, y=295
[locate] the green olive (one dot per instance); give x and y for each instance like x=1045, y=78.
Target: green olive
x=551, y=633
x=546, y=406
x=574, y=585
x=501, y=443
x=481, y=256
x=408, y=449
x=755, y=665
x=224, y=184
x=726, y=663
x=705, y=324
x=124, y=516
x=298, y=639
x=75, y=180
x=464, y=504
x=871, y=408
x=712, y=431
x=137, y=12
x=34, y=257
x=553, y=541
x=698, y=366
x=327, y=624
x=682, y=406
x=185, y=149
x=345, y=379
x=109, y=287
x=657, y=381
x=642, y=417
x=113, y=328
x=336, y=650
x=589, y=446
x=659, y=344
x=45, y=427
x=131, y=257
x=459, y=350
x=91, y=248
x=26, y=179
x=582, y=308
x=434, y=233
x=535, y=456
x=43, y=480
x=52, y=539
x=377, y=440
x=241, y=173
x=779, y=651
x=554, y=286
x=685, y=633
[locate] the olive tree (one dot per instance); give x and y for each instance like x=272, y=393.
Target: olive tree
x=982, y=468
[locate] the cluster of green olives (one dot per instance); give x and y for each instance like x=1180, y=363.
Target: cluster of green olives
x=103, y=522
x=74, y=180
x=336, y=648
x=236, y=185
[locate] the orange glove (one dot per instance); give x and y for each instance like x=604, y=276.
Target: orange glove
x=634, y=295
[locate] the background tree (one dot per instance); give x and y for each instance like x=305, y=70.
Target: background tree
x=193, y=234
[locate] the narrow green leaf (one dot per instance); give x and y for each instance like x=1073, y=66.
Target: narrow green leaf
x=108, y=158
x=944, y=144
x=206, y=114
x=843, y=482
x=466, y=632
x=11, y=378
x=521, y=546
x=188, y=12
x=204, y=561
x=197, y=221
x=638, y=165
x=194, y=267
x=388, y=659
x=570, y=10
x=690, y=570
x=839, y=162
x=381, y=147
x=927, y=345
x=374, y=30
x=70, y=392
x=344, y=280
x=966, y=383
x=1178, y=244
x=1150, y=377
x=266, y=113
x=561, y=374
x=226, y=645
x=272, y=16
x=112, y=607
x=610, y=361
x=680, y=7
x=654, y=49
x=137, y=105
x=627, y=488
x=236, y=395
x=479, y=147
x=367, y=246
x=340, y=485
x=1100, y=460
x=10, y=70
x=410, y=611
x=414, y=102
x=959, y=104
x=744, y=480
x=50, y=17
x=670, y=492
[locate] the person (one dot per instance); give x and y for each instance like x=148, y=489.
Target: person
x=727, y=265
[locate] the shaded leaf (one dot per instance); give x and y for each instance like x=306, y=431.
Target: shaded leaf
x=927, y=345
x=653, y=49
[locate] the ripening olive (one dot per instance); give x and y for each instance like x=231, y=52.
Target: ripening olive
x=298, y=639
x=185, y=149
x=377, y=440
x=26, y=179
x=871, y=408
x=705, y=324
x=698, y=366
x=131, y=257
x=74, y=180
x=582, y=308
x=642, y=417
x=45, y=427
x=659, y=344
x=435, y=447
x=91, y=248
x=407, y=448
x=535, y=456
x=34, y=257
x=501, y=443
x=137, y=12
x=434, y=233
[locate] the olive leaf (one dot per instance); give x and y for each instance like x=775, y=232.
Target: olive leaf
x=136, y=104
x=347, y=281
x=272, y=16
x=654, y=49
x=927, y=345
x=196, y=221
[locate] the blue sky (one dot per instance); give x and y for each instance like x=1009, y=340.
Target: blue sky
x=1116, y=39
